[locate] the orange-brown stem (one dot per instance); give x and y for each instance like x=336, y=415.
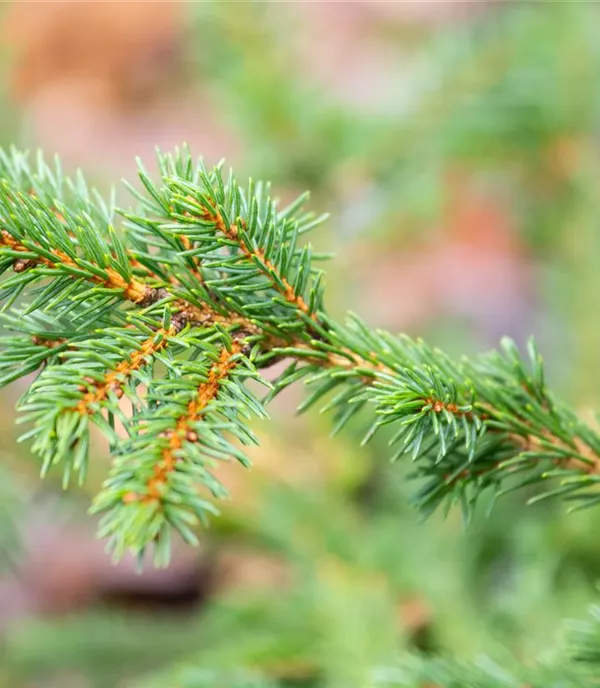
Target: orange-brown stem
x=113, y=381
x=182, y=431
x=258, y=255
x=48, y=342
x=196, y=270
x=437, y=405
x=133, y=290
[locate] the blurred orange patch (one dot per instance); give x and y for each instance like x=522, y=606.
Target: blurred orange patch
x=119, y=53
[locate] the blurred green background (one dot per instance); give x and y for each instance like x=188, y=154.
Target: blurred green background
x=456, y=145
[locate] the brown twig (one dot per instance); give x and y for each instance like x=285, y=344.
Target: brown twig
x=257, y=256
x=114, y=380
x=48, y=342
x=183, y=431
x=133, y=290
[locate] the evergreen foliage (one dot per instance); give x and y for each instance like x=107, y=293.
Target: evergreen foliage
x=209, y=285
x=153, y=323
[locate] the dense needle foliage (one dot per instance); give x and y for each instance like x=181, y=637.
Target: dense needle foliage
x=152, y=324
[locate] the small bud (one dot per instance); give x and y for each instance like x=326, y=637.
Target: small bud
x=21, y=264
x=151, y=296
x=116, y=390
x=191, y=436
x=180, y=320
x=87, y=382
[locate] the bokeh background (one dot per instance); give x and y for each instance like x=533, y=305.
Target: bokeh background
x=456, y=145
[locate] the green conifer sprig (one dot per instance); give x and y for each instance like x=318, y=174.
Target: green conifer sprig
x=584, y=642
x=573, y=663
x=147, y=323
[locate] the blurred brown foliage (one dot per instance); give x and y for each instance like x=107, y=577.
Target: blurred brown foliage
x=117, y=54
x=103, y=82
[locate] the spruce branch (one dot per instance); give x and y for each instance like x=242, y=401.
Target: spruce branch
x=573, y=664
x=412, y=672
x=174, y=444
x=201, y=287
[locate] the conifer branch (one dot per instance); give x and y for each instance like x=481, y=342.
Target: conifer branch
x=132, y=289
x=183, y=430
x=574, y=664
x=113, y=380
x=237, y=234
x=209, y=284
